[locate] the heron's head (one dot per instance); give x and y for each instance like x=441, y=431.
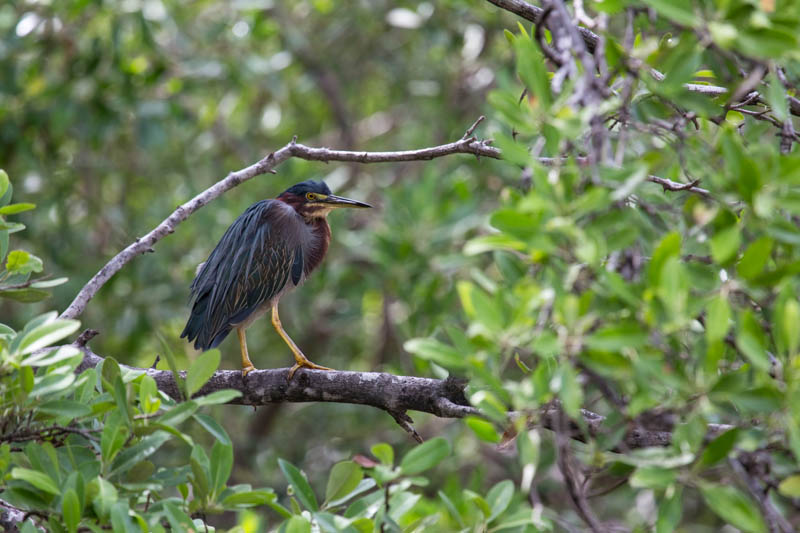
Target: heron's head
x=313, y=199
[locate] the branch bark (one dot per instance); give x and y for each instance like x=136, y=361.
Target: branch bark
x=396, y=395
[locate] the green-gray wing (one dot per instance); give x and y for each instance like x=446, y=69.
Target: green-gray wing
x=255, y=259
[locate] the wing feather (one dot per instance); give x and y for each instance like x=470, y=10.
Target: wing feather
x=251, y=264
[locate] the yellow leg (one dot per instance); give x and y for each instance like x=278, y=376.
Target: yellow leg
x=300, y=359
x=247, y=365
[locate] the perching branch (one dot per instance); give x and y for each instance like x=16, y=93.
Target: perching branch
x=396, y=395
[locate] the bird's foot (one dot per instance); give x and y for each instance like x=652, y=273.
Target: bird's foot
x=304, y=363
x=246, y=370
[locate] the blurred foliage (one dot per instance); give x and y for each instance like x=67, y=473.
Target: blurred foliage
x=590, y=286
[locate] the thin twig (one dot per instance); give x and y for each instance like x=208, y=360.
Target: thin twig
x=471, y=129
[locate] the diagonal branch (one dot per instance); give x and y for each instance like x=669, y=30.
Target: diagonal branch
x=465, y=145
x=534, y=14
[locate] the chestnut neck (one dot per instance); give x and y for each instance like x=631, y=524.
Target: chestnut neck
x=318, y=247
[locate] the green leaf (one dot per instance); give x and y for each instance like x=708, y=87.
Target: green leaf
x=213, y=427
x=149, y=402
x=776, y=97
x=384, y=453
x=4, y=182
x=103, y=495
x=364, y=485
x=425, y=456
x=249, y=499
x=48, y=283
x=46, y=334
x=115, y=433
x=618, y=337
x=69, y=408
x=680, y=11
x=120, y=393
x=483, y=429
x=300, y=485
x=790, y=486
x=496, y=241
x=70, y=510
x=768, y=43
x=38, y=479
x=138, y=452
x=719, y=448
x=533, y=73
x=689, y=435
x=298, y=524
x=54, y=383
x=201, y=371
x=670, y=246
x=725, y=244
x=788, y=330
x=343, y=479
x=120, y=518
x=13, y=209
x=733, y=507
x=751, y=341
x=179, y=413
x=50, y=358
x=201, y=472
x=499, y=498
x=109, y=372
x=173, y=366
x=29, y=527
x=178, y=519
x=652, y=477
x=439, y=353
x=24, y=295
x=669, y=513
x=10, y=227
x=755, y=258
x=22, y=262
x=221, y=465
x=569, y=390
x=218, y=397
x=718, y=316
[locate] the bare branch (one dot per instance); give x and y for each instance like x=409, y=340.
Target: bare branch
x=471, y=129
x=266, y=165
x=569, y=469
x=669, y=185
x=534, y=13
x=775, y=520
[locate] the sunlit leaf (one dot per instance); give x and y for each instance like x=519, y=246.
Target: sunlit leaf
x=425, y=456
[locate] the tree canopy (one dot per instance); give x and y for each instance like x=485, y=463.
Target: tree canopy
x=579, y=290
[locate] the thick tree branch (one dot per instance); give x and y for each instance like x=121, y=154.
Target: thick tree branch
x=396, y=395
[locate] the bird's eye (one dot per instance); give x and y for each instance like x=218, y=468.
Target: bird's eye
x=311, y=196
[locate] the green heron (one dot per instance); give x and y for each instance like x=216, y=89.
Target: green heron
x=270, y=249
